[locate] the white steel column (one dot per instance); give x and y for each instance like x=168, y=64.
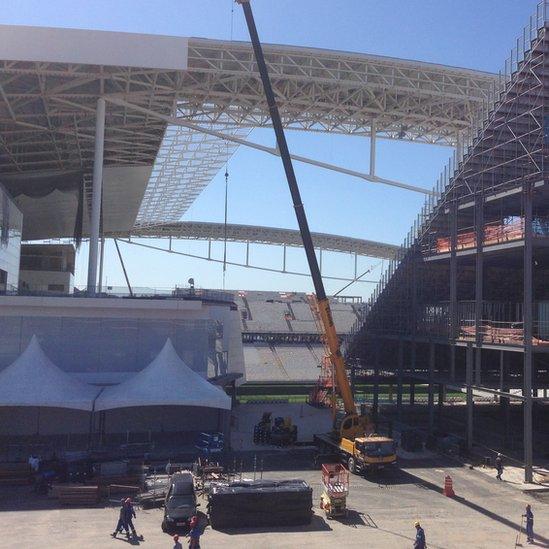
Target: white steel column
x=96, y=193
x=373, y=149
x=101, y=259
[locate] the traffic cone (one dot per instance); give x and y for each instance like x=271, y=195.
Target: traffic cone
x=448, y=487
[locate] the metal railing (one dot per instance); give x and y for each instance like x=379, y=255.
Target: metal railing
x=123, y=292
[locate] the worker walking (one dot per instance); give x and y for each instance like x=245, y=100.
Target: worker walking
x=419, y=542
x=499, y=466
x=529, y=516
x=129, y=514
x=122, y=524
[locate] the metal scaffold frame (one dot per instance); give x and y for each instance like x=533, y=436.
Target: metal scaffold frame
x=445, y=295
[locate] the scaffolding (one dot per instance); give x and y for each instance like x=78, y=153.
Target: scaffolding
x=465, y=296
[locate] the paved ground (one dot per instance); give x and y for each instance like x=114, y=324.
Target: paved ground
x=486, y=513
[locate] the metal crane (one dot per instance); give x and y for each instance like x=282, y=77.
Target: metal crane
x=352, y=424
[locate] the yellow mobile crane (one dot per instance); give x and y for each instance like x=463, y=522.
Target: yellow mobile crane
x=349, y=438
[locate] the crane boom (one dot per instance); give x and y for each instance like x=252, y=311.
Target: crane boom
x=323, y=302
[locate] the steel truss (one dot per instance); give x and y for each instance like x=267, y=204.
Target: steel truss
x=195, y=230
x=47, y=110
x=249, y=265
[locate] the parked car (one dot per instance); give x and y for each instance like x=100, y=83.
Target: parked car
x=180, y=505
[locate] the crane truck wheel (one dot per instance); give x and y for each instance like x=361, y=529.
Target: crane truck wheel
x=351, y=465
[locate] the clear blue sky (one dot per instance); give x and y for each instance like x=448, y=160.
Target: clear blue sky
x=473, y=34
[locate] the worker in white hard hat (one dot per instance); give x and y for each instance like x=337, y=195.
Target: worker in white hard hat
x=499, y=466
x=419, y=542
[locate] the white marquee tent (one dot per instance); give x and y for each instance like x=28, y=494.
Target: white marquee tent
x=166, y=381
x=34, y=380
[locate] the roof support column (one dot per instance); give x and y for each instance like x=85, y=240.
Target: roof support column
x=528, y=309
x=96, y=194
x=101, y=260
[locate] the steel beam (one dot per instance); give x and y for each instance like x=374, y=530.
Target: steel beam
x=373, y=138
x=175, y=121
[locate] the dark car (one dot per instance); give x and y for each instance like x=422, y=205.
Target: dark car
x=180, y=505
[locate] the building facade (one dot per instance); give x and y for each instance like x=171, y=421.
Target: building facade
x=11, y=226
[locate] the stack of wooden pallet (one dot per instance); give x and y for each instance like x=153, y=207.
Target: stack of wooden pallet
x=71, y=494
x=15, y=474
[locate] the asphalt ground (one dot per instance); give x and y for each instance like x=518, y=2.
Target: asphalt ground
x=382, y=510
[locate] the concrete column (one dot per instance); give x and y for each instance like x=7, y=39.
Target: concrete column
x=454, y=328
x=478, y=366
x=469, y=380
x=400, y=367
x=452, y=362
x=479, y=279
x=375, y=406
x=96, y=194
x=528, y=325
x=431, y=389
x=412, y=372
x=441, y=398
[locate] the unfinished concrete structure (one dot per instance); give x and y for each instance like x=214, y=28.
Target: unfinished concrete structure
x=466, y=304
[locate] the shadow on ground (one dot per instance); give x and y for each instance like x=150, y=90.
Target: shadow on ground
x=318, y=524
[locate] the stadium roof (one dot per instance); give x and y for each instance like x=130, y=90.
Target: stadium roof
x=196, y=230
x=50, y=80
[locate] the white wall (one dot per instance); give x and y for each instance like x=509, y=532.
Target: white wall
x=40, y=280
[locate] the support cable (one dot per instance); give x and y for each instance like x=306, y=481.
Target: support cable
x=357, y=279
x=123, y=267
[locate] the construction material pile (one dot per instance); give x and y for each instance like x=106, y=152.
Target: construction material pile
x=15, y=474
x=260, y=503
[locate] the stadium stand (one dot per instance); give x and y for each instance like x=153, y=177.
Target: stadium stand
x=280, y=338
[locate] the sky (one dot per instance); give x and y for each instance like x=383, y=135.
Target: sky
x=473, y=34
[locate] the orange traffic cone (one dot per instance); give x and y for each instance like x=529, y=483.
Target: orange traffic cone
x=448, y=487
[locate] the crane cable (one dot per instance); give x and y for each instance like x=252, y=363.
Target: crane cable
x=225, y=223
x=227, y=171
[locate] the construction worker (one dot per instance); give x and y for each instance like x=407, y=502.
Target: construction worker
x=129, y=514
x=121, y=525
x=529, y=516
x=194, y=533
x=499, y=466
x=419, y=542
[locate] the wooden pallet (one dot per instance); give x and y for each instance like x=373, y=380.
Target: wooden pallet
x=78, y=495
x=15, y=474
